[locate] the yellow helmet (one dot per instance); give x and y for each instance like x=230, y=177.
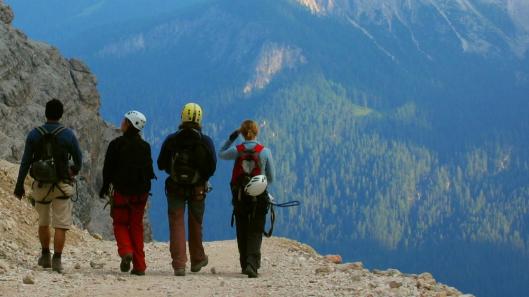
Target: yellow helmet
x=192, y=113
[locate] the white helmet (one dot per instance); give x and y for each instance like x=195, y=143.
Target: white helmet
x=256, y=186
x=136, y=118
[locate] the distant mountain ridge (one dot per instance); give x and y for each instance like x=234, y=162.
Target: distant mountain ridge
x=478, y=25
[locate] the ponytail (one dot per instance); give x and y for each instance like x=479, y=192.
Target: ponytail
x=249, y=129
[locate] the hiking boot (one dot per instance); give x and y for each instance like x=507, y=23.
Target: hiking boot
x=56, y=264
x=199, y=265
x=125, y=263
x=136, y=272
x=180, y=272
x=45, y=260
x=250, y=271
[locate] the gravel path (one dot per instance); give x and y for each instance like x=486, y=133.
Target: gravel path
x=91, y=264
x=289, y=269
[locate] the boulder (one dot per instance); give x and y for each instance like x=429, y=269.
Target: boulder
x=324, y=270
x=28, y=279
x=336, y=259
x=395, y=285
x=6, y=14
x=3, y=267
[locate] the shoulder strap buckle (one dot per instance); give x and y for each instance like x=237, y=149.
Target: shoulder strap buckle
x=240, y=148
x=42, y=130
x=57, y=130
x=259, y=148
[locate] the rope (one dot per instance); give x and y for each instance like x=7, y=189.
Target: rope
x=286, y=204
x=292, y=203
x=272, y=222
x=76, y=191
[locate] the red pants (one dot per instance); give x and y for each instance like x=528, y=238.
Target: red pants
x=127, y=214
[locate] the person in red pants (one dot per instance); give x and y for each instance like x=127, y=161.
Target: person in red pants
x=128, y=171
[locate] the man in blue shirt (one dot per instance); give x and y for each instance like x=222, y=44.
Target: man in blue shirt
x=55, y=196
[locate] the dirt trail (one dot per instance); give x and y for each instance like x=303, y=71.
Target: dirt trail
x=289, y=268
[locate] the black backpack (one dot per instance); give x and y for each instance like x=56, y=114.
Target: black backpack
x=189, y=158
x=134, y=167
x=50, y=160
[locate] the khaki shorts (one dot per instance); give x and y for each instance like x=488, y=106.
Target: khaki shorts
x=53, y=204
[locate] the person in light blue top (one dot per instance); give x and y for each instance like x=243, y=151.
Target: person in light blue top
x=229, y=152
x=251, y=159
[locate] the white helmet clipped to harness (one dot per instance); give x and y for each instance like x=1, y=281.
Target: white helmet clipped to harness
x=256, y=186
x=136, y=118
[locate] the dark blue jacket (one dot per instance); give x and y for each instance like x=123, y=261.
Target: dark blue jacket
x=167, y=152
x=66, y=138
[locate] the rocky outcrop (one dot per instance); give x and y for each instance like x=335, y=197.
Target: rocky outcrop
x=6, y=14
x=32, y=73
x=319, y=7
x=272, y=59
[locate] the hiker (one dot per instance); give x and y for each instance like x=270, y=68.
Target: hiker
x=46, y=158
x=188, y=156
x=128, y=169
x=249, y=211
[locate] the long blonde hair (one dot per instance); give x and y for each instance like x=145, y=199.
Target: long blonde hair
x=249, y=129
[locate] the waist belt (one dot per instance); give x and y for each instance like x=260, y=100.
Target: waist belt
x=251, y=215
x=129, y=202
x=53, y=186
x=187, y=192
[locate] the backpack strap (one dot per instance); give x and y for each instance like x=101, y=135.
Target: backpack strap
x=258, y=148
x=196, y=131
x=43, y=131
x=240, y=148
x=57, y=130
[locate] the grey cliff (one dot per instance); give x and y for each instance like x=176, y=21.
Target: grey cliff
x=32, y=73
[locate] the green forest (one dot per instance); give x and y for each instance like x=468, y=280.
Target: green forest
x=355, y=183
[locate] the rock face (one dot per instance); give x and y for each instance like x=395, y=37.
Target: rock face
x=6, y=14
x=272, y=59
x=32, y=73
x=465, y=20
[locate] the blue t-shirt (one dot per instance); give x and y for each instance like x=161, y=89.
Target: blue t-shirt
x=66, y=138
